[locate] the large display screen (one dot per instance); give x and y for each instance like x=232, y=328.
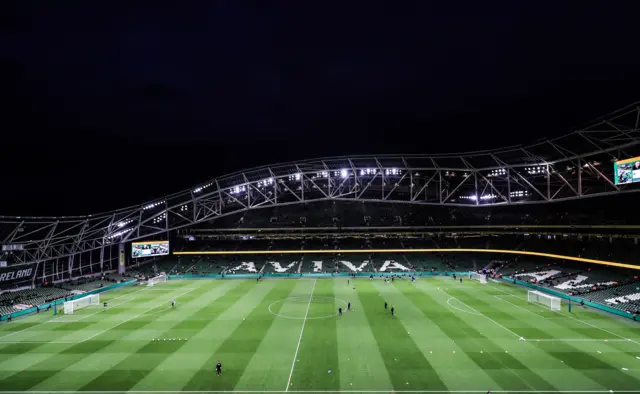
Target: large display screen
x=627, y=171
x=149, y=249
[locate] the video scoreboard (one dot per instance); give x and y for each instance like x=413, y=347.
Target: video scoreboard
x=627, y=171
x=149, y=249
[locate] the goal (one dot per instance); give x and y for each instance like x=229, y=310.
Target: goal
x=482, y=278
x=157, y=279
x=73, y=305
x=550, y=302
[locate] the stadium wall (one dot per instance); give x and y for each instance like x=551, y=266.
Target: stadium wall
x=369, y=251
x=577, y=300
x=61, y=301
x=312, y=275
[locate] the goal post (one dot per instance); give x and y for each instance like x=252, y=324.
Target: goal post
x=158, y=279
x=71, y=306
x=482, y=278
x=547, y=300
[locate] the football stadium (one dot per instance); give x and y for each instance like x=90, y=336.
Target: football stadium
x=510, y=270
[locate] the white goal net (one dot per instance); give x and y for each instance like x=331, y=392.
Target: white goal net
x=157, y=279
x=73, y=305
x=479, y=277
x=550, y=302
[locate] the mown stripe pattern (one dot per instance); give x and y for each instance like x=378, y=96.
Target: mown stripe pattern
x=446, y=336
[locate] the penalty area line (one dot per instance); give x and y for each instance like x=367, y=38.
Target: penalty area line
x=479, y=313
x=518, y=306
x=136, y=316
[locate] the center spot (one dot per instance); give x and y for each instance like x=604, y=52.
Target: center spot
x=321, y=307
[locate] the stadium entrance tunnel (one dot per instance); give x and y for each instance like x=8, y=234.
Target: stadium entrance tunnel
x=301, y=307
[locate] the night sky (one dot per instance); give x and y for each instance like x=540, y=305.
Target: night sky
x=110, y=106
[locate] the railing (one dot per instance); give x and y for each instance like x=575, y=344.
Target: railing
x=577, y=300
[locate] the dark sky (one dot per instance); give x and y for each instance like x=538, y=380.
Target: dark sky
x=109, y=106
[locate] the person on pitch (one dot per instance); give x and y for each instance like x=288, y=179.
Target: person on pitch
x=348, y=307
x=339, y=311
x=104, y=306
x=173, y=303
x=393, y=311
x=385, y=305
x=219, y=368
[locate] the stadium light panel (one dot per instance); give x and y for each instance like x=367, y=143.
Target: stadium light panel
x=152, y=205
x=119, y=233
x=124, y=223
x=344, y=173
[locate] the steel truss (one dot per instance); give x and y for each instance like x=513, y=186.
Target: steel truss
x=577, y=165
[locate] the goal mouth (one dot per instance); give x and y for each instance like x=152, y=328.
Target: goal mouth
x=551, y=302
x=90, y=300
x=158, y=279
x=482, y=278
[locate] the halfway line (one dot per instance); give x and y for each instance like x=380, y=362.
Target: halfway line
x=295, y=356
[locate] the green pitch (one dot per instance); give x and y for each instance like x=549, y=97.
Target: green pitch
x=284, y=335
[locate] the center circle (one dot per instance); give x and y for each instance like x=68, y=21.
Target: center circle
x=304, y=301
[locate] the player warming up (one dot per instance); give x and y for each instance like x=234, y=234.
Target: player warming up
x=219, y=368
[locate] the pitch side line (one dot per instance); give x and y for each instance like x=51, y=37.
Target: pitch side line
x=603, y=330
x=295, y=355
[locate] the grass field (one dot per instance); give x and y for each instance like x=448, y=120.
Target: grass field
x=284, y=335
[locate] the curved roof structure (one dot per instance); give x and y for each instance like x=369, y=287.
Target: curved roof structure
x=574, y=166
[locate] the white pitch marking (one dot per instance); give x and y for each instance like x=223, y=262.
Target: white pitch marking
x=479, y=313
x=456, y=308
x=57, y=318
x=577, y=340
x=44, y=342
x=138, y=315
x=518, y=306
x=602, y=329
x=95, y=313
x=295, y=356
x=319, y=391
